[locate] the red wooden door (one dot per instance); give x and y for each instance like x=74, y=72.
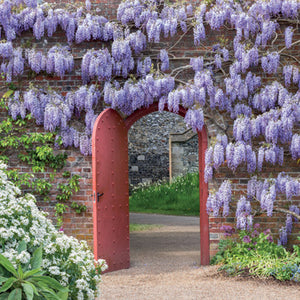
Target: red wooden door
x=110, y=189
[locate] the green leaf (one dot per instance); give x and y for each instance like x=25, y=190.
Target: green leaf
x=39, y=284
x=15, y=295
x=28, y=290
x=50, y=295
x=50, y=282
x=8, y=265
x=4, y=296
x=63, y=295
x=20, y=272
x=8, y=284
x=33, y=287
x=33, y=272
x=22, y=247
x=3, y=279
x=36, y=260
x=8, y=94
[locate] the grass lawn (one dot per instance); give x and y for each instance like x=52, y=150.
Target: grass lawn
x=142, y=227
x=181, y=197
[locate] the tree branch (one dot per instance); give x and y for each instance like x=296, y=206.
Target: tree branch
x=286, y=211
x=178, y=41
x=293, y=44
x=291, y=56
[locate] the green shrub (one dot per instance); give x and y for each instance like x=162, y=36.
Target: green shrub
x=64, y=258
x=256, y=253
x=181, y=197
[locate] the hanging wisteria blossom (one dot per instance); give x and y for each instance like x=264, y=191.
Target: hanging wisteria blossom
x=59, y=60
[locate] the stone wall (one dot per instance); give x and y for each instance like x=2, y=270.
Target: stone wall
x=183, y=153
x=160, y=147
x=148, y=146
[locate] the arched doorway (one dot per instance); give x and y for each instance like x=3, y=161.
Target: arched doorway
x=110, y=187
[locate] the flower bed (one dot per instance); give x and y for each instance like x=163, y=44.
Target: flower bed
x=64, y=258
x=255, y=253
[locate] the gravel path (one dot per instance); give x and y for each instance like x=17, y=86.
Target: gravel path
x=165, y=265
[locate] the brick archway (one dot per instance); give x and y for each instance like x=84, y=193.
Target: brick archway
x=110, y=187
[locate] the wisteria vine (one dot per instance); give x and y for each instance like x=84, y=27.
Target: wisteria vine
x=230, y=78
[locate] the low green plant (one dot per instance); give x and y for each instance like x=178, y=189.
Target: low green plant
x=28, y=282
x=255, y=252
x=181, y=197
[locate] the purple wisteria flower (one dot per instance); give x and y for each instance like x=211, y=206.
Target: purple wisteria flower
x=270, y=62
x=243, y=214
x=164, y=59
x=289, y=223
x=212, y=204
x=295, y=146
x=218, y=157
x=282, y=236
x=88, y=5
x=287, y=73
x=195, y=119
x=97, y=63
x=224, y=196
x=197, y=63
x=199, y=31
x=268, y=197
x=288, y=36
x=218, y=61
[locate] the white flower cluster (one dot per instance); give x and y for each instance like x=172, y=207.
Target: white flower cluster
x=64, y=258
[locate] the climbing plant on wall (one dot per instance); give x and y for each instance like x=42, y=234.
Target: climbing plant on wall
x=248, y=76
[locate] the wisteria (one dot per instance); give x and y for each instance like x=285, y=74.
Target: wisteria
x=54, y=111
x=251, y=79
x=164, y=60
x=58, y=60
x=90, y=28
x=220, y=199
x=96, y=64
x=270, y=62
x=133, y=96
x=15, y=65
x=288, y=36
x=243, y=214
x=266, y=192
x=6, y=49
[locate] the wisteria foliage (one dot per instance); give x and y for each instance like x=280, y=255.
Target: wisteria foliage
x=265, y=113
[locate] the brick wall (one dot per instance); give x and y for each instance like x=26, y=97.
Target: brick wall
x=81, y=225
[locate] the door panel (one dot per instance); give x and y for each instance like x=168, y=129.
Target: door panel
x=110, y=189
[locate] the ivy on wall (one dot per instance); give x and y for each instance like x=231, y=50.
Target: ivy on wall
x=36, y=149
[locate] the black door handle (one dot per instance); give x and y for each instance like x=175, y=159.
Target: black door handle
x=99, y=195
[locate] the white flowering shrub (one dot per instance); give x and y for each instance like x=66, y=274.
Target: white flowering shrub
x=64, y=258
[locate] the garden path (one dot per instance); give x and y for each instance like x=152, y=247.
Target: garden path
x=165, y=265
